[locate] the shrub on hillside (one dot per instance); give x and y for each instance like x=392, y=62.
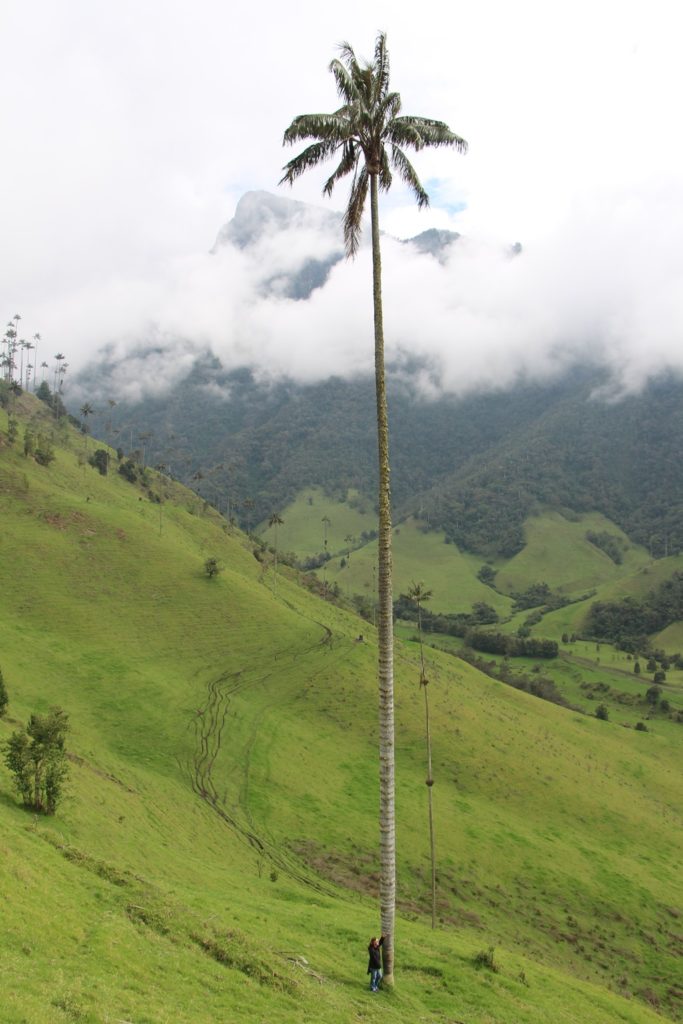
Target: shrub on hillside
x=129, y=470
x=486, y=958
x=43, y=452
x=212, y=567
x=36, y=757
x=652, y=696
x=602, y=713
x=99, y=460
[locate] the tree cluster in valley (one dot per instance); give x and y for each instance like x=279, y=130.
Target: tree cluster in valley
x=630, y=621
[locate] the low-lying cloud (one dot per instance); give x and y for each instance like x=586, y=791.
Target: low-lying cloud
x=607, y=286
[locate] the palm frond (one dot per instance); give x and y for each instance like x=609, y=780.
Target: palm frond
x=348, y=162
x=419, y=132
x=347, y=54
x=408, y=174
x=311, y=157
x=316, y=126
x=354, y=211
x=380, y=67
x=389, y=108
x=343, y=78
x=385, y=175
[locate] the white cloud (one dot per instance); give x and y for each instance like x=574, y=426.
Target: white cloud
x=133, y=129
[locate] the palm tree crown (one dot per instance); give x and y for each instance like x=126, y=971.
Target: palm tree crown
x=367, y=133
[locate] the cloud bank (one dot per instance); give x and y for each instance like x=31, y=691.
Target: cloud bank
x=606, y=287
x=128, y=147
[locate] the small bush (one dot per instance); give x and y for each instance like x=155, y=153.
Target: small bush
x=43, y=452
x=486, y=958
x=99, y=460
x=129, y=470
x=641, y=727
x=602, y=713
x=212, y=567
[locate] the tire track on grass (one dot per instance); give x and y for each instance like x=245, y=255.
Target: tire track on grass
x=209, y=724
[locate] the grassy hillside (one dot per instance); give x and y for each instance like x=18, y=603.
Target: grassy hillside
x=303, y=531
x=556, y=551
x=418, y=553
x=215, y=858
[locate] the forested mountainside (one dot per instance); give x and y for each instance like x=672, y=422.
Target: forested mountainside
x=475, y=467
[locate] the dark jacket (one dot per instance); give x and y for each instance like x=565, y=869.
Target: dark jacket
x=375, y=957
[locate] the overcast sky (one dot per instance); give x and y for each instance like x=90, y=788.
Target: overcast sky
x=131, y=129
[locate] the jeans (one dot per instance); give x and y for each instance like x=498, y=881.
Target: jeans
x=375, y=978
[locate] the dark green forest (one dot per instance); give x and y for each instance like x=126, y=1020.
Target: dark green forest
x=629, y=621
x=475, y=467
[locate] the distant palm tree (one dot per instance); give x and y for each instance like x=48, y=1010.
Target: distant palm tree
x=248, y=506
x=419, y=595
x=144, y=438
x=59, y=358
x=327, y=522
x=348, y=540
x=112, y=405
x=368, y=136
x=22, y=345
x=29, y=347
x=36, y=339
x=86, y=410
x=275, y=520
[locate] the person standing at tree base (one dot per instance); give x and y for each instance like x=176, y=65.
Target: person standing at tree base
x=375, y=962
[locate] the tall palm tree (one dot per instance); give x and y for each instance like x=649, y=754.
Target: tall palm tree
x=418, y=594
x=368, y=137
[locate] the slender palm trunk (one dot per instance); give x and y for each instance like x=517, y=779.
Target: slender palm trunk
x=430, y=778
x=387, y=828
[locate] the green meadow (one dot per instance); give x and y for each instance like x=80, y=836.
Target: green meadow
x=418, y=554
x=556, y=551
x=215, y=856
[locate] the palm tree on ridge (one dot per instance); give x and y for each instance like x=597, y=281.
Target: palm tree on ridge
x=368, y=136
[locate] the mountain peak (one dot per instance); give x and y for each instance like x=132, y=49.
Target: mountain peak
x=259, y=213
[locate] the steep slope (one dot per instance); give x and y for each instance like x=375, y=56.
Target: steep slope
x=215, y=858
